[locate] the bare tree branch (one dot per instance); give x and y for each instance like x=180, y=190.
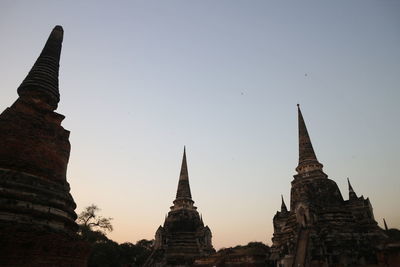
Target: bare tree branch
x=89, y=218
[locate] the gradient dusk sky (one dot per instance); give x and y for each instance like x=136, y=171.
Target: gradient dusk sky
x=141, y=79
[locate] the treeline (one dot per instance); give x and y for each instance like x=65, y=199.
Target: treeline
x=104, y=251
x=107, y=253
x=110, y=253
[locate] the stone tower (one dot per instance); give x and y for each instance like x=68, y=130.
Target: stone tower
x=37, y=217
x=183, y=238
x=321, y=228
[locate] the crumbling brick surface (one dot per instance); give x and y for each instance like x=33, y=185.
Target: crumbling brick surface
x=22, y=246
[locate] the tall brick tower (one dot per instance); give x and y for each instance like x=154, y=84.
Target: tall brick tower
x=37, y=217
x=322, y=229
x=183, y=238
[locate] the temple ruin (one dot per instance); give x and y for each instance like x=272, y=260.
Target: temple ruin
x=183, y=237
x=321, y=228
x=37, y=217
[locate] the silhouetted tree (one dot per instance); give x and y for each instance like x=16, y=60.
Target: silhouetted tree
x=105, y=252
x=93, y=227
x=90, y=219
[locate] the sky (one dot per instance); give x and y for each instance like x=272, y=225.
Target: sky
x=141, y=79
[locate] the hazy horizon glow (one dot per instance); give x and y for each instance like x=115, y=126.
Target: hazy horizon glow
x=141, y=79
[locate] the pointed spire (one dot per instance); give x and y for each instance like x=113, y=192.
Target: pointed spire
x=349, y=184
x=283, y=205
x=352, y=194
x=306, y=151
x=384, y=222
x=183, y=185
x=307, y=159
x=43, y=77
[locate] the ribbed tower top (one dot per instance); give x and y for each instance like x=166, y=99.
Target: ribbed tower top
x=307, y=159
x=183, y=191
x=43, y=77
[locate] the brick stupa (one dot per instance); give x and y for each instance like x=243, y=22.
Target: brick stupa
x=37, y=217
x=321, y=228
x=183, y=238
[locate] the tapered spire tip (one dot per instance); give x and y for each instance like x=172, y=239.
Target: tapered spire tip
x=283, y=205
x=58, y=33
x=306, y=150
x=385, y=224
x=349, y=184
x=183, y=185
x=43, y=77
x=307, y=159
x=352, y=193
